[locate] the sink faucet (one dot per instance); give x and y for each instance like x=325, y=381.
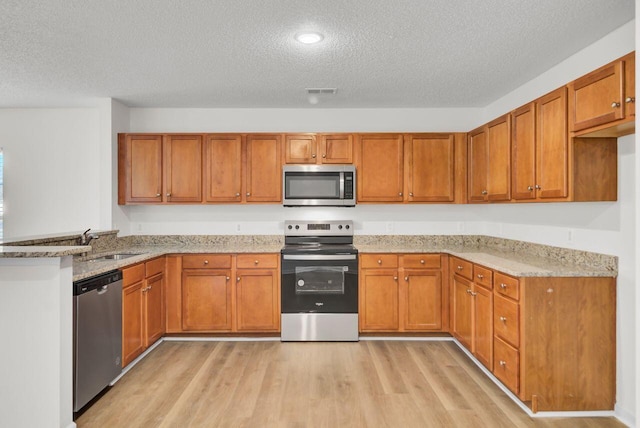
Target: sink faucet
x=87, y=237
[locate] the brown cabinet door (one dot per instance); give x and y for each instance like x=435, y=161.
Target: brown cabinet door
x=630, y=85
x=223, y=168
x=140, y=169
x=132, y=322
x=422, y=299
x=206, y=299
x=154, y=309
x=523, y=152
x=336, y=148
x=461, y=307
x=183, y=168
x=264, y=168
x=478, y=165
x=380, y=168
x=258, y=300
x=552, y=149
x=379, y=300
x=430, y=167
x=483, y=325
x=300, y=148
x=598, y=97
x=499, y=159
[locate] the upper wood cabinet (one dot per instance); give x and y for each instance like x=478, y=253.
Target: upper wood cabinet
x=318, y=148
x=523, y=152
x=183, y=168
x=490, y=161
x=159, y=168
x=264, y=168
x=223, y=168
x=380, y=164
x=430, y=167
x=604, y=98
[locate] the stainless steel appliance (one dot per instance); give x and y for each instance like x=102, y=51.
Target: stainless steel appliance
x=97, y=336
x=319, y=285
x=319, y=185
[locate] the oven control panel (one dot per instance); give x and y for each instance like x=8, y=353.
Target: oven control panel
x=318, y=228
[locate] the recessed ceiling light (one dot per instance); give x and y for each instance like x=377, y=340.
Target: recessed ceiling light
x=309, y=38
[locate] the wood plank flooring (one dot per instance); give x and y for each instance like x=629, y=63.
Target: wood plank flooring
x=273, y=384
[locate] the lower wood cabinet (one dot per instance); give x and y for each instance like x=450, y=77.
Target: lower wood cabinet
x=550, y=340
x=402, y=293
x=223, y=293
x=143, y=312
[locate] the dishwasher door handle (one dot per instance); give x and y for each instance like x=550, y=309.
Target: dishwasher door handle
x=103, y=289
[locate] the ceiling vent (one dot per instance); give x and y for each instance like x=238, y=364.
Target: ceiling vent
x=324, y=91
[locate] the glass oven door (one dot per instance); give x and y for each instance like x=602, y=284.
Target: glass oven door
x=319, y=283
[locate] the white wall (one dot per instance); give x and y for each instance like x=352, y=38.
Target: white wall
x=52, y=170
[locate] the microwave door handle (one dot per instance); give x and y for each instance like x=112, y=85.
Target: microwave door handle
x=341, y=185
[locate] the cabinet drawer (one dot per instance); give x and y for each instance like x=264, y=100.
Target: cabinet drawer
x=483, y=276
x=154, y=267
x=505, y=320
x=421, y=261
x=207, y=261
x=462, y=267
x=506, y=364
x=368, y=261
x=506, y=285
x=266, y=261
x=132, y=274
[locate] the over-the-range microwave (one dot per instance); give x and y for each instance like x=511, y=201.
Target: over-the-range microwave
x=319, y=185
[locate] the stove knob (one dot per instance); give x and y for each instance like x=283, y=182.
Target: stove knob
x=290, y=227
x=347, y=226
x=340, y=227
x=297, y=227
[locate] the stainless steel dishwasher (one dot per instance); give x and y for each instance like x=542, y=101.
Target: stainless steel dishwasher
x=97, y=336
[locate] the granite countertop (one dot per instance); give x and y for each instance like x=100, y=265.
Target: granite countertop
x=41, y=251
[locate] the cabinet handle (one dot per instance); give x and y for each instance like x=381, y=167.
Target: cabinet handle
x=313, y=155
x=324, y=155
x=238, y=279
x=395, y=278
x=468, y=291
x=158, y=195
x=502, y=363
x=615, y=104
x=538, y=187
x=629, y=100
x=459, y=267
x=206, y=262
x=248, y=194
x=411, y=194
x=379, y=261
x=503, y=319
x=406, y=278
x=529, y=188
x=484, y=192
x=400, y=194
x=228, y=278
x=480, y=276
x=168, y=194
x=422, y=261
x=473, y=294
x=237, y=194
x=503, y=285
x=256, y=262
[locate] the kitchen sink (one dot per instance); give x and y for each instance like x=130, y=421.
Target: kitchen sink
x=113, y=257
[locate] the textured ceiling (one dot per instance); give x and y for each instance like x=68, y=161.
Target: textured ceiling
x=241, y=53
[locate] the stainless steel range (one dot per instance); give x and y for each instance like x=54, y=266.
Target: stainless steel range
x=319, y=286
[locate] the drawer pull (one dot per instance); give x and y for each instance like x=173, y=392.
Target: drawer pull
x=422, y=261
x=379, y=261
x=503, y=319
x=459, y=267
x=206, y=262
x=256, y=262
x=503, y=285
x=480, y=276
x=503, y=363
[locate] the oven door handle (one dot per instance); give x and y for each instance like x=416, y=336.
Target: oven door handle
x=326, y=257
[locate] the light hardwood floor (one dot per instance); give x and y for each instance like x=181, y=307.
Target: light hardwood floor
x=273, y=384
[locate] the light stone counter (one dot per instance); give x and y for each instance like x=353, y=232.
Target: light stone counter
x=41, y=251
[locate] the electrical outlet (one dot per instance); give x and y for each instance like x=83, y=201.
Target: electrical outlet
x=238, y=227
